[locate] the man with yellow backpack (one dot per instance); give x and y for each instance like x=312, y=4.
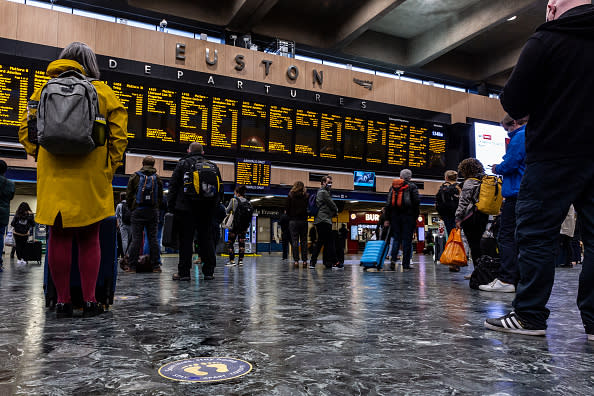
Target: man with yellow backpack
x=512, y=169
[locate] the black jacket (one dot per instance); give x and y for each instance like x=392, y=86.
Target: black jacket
x=133, y=187
x=297, y=206
x=176, y=200
x=553, y=83
x=415, y=201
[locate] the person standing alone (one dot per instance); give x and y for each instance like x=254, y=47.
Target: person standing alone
x=6, y=195
x=327, y=209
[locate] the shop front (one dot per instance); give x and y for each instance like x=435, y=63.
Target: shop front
x=362, y=228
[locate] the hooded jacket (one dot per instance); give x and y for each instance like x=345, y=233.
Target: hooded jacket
x=79, y=188
x=514, y=163
x=468, y=198
x=553, y=83
x=132, y=188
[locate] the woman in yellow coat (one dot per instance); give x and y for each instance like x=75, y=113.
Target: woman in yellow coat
x=74, y=193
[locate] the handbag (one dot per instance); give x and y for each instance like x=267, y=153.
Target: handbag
x=453, y=253
x=9, y=239
x=228, y=221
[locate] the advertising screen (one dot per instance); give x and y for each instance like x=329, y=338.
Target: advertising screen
x=364, y=179
x=489, y=144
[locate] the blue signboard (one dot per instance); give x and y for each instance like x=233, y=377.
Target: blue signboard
x=205, y=369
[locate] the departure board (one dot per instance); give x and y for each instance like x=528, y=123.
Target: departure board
x=330, y=136
x=224, y=123
x=281, y=129
x=132, y=98
x=306, y=132
x=377, y=136
x=397, y=142
x=193, y=118
x=253, y=174
x=253, y=126
x=14, y=82
x=437, y=147
x=39, y=78
x=161, y=112
x=354, y=138
x=417, y=146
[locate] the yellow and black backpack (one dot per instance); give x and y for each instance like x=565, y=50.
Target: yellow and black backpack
x=489, y=197
x=202, y=182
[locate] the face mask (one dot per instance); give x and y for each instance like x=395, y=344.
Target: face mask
x=329, y=185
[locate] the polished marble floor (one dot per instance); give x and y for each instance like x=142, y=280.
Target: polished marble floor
x=306, y=332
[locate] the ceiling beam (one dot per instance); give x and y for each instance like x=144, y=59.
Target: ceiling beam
x=355, y=25
x=378, y=46
x=456, y=31
x=249, y=14
x=497, y=64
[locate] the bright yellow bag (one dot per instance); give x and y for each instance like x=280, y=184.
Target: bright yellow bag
x=490, y=198
x=453, y=253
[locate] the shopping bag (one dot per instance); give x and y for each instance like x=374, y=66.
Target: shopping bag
x=228, y=221
x=454, y=253
x=9, y=238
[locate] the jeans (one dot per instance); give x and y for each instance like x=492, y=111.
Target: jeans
x=144, y=218
x=547, y=190
x=450, y=224
x=403, y=228
x=2, y=232
x=146, y=246
x=196, y=223
x=286, y=241
x=125, y=233
x=324, y=240
x=298, y=230
x=474, y=228
x=508, y=249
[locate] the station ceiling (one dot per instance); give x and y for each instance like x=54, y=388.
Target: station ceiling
x=457, y=40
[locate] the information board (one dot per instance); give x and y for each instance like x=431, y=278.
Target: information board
x=254, y=174
x=253, y=126
x=161, y=111
x=377, y=138
x=132, y=97
x=281, y=129
x=224, y=124
x=193, y=118
x=14, y=82
x=306, y=132
x=330, y=136
x=354, y=138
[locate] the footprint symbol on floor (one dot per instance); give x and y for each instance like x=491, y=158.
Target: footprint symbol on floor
x=195, y=369
x=221, y=368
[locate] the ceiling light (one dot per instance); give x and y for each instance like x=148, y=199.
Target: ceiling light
x=353, y=201
x=512, y=18
x=255, y=200
x=269, y=196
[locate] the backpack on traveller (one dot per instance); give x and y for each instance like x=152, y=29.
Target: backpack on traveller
x=68, y=118
x=489, y=197
x=446, y=200
x=312, y=205
x=146, y=192
x=202, y=182
x=400, y=195
x=243, y=214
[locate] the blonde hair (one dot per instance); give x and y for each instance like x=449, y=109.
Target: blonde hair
x=451, y=175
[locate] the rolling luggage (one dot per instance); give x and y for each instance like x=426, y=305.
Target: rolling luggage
x=106, y=279
x=32, y=251
x=375, y=253
x=169, y=239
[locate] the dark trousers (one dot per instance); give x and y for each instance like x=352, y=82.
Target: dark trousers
x=548, y=189
x=326, y=241
x=474, y=227
x=298, y=230
x=286, y=241
x=195, y=224
x=508, y=249
x=240, y=236
x=20, y=241
x=403, y=228
x=450, y=224
x=142, y=218
x=340, y=250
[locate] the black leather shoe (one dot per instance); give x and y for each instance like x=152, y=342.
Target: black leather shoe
x=92, y=309
x=63, y=310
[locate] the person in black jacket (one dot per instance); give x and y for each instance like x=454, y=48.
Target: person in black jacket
x=402, y=210
x=552, y=87
x=6, y=195
x=22, y=223
x=297, y=212
x=285, y=234
x=194, y=213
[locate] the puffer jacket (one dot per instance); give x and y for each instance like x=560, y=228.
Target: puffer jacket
x=79, y=188
x=468, y=198
x=514, y=163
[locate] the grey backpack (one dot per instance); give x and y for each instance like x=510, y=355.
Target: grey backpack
x=66, y=115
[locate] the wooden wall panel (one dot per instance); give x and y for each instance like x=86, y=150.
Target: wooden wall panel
x=75, y=28
x=458, y=106
x=147, y=46
x=335, y=80
x=113, y=39
x=133, y=163
x=8, y=19
x=383, y=89
x=280, y=77
x=356, y=90
x=191, y=52
x=230, y=63
x=202, y=66
x=37, y=25
x=485, y=108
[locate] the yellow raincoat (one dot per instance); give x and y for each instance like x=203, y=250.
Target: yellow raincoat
x=79, y=188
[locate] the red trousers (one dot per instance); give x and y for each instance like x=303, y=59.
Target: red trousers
x=60, y=258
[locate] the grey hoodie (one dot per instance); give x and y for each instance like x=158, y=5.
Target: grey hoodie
x=468, y=198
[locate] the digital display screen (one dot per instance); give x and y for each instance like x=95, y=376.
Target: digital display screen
x=489, y=144
x=14, y=82
x=254, y=174
x=354, y=233
x=161, y=111
x=193, y=118
x=164, y=116
x=253, y=126
x=281, y=129
x=306, y=132
x=364, y=179
x=132, y=98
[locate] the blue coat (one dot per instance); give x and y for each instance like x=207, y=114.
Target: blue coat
x=514, y=163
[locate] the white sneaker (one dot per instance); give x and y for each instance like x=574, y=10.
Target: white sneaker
x=590, y=337
x=498, y=286
x=230, y=264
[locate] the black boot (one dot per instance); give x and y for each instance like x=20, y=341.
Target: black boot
x=92, y=309
x=63, y=310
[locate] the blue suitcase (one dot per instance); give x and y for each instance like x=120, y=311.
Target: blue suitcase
x=375, y=253
x=108, y=270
